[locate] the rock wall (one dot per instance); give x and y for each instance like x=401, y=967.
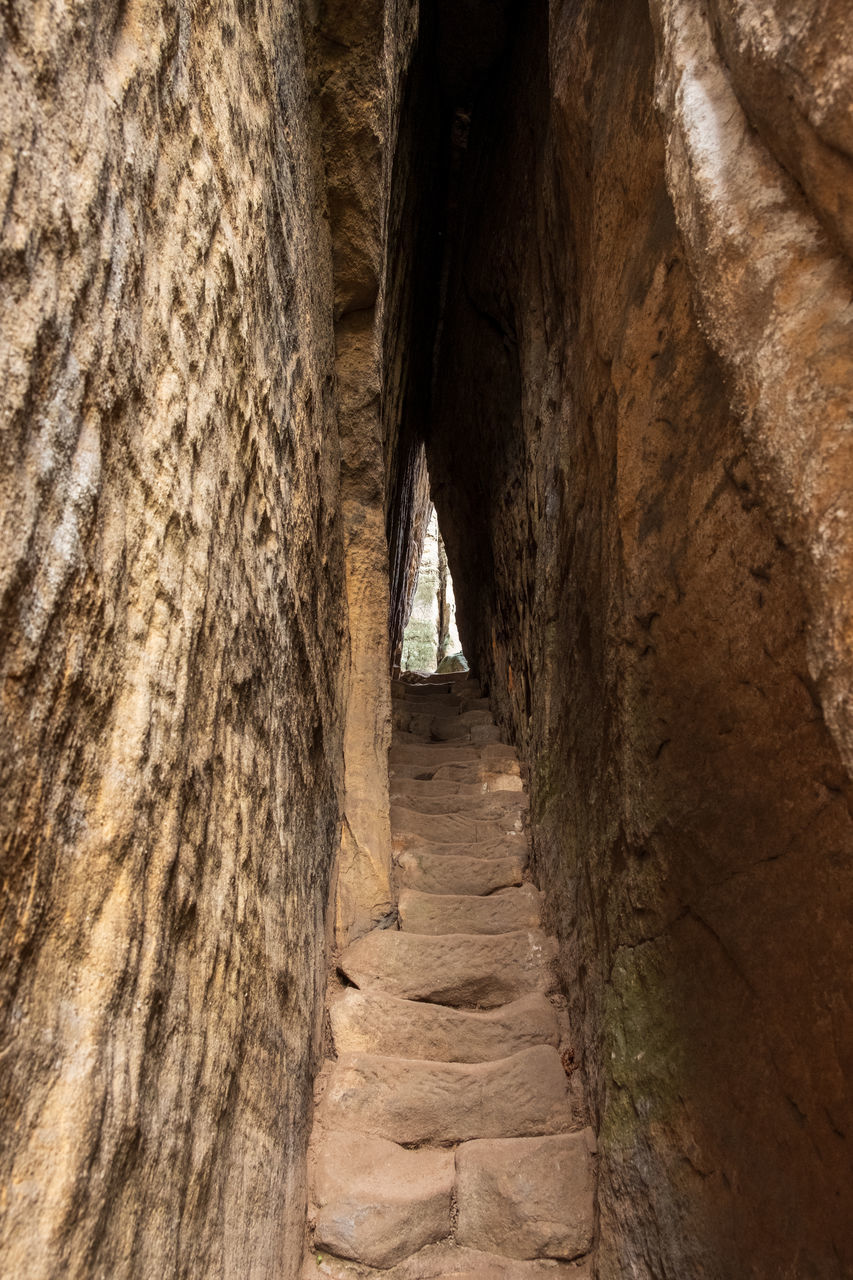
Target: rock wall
x=431, y=633
x=172, y=636
x=640, y=457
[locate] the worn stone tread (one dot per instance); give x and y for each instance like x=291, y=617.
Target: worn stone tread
x=426, y=754
x=527, y=1197
x=372, y=1022
x=446, y=873
x=507, y=911
x=513, y=845
x=456, y=969
x=446, y=1261
x=438, y=799
x=485, y=779
x=375, y=1201
x=450, y=828
x=408, y=1100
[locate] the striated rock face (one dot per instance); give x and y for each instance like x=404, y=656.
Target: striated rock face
x=172, y=637
x=641, y=464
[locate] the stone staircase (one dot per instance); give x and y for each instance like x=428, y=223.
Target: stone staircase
x=447, y=1138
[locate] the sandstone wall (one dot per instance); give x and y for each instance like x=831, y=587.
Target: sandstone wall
x=639, y=465
x=173, y=636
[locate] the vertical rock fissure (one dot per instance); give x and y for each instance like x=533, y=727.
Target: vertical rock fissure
x=277, y=276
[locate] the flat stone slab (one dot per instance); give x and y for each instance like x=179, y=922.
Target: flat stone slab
x=442, y=873
x=456, y=969
x=448, y=828
x=371, y=1022
x=528, y=1197
x=376, y=1202
x=507, y=911
x=445, y=1261
x=408, y=1100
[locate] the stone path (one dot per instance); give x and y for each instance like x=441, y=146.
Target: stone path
x=445, y=1142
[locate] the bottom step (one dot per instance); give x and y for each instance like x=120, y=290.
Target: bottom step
x=378, y=1202
x=445, y=1262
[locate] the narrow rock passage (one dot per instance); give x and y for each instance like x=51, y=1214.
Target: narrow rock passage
x=444, y=1142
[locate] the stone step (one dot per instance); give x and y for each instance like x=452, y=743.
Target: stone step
x=376, y=1202
x=491, y=755
x=445, y=1261
x=410, y=826
x=447, y=685
x=440, y=702
x=508, y=911
x=440, y=728
x=428, y=755
x=457, y=969
x=510, y=846
x=407, y=1100
x=372, y=1022
x=443, y=873
x=527, y=1197
x=466, y=775
x=483, y=734
x=446, y=725
x=482, y=805
x=462, y=790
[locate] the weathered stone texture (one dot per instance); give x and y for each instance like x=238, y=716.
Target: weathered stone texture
x=172, y=635
x=644, y=528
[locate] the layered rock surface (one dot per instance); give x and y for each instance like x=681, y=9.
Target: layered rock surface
x=171, y=628
x=446, y=1142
